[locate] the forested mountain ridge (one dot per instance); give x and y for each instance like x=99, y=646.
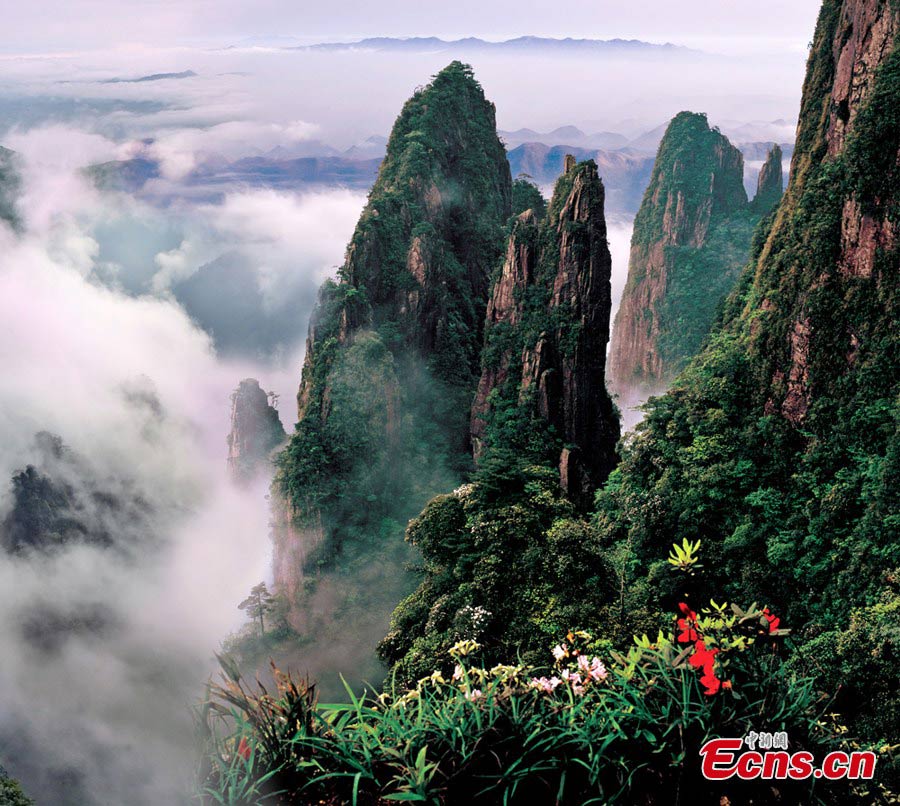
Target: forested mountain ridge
x=778, y=446
x=691, y=238
x=394, y=345
x=737, y=569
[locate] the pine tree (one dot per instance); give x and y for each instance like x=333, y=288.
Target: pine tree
x=258, y=605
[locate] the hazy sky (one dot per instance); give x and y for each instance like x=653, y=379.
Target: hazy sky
x=77, y=24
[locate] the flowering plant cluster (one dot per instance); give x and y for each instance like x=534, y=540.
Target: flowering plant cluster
x=575, y=667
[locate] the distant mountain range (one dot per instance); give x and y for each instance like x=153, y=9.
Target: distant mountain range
x=624, y=164
x=433, y=44
x=152, y=77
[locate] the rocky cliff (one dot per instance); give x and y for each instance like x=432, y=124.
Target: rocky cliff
x=392, y=355
x=547, y=327
x=691, y=238
x=255, y=431
x=778, y=446
x=770, y=182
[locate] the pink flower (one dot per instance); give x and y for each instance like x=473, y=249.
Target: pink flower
x=583, y=663
x=598, y=670
x=578, y=690
x=544, y=684
x=570, y=677
x=474, y=695
x=457, y=672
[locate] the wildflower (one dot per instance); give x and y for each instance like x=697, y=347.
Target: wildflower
x=243, y=749
x=462, y=648
x=474, y=695
x=545, y=684
x=687, y=625
x=597, y=670
x=570, y=677
x=560, y=651
x=583, y=663
x=773, y=620
x=437, y=677
x=703, y=658
x=578, y=690
x=711, y=683
x=457, y=672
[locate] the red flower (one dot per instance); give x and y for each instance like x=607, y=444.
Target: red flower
x=711, y=683
x=703, y=658
x=687, y=625
x=773, y=620
x=243, y=749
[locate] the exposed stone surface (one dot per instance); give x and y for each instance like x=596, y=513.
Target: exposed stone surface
x=561, y=372
x=677, y=271
x=862, y=39
x=256, y=430
x=770, y=182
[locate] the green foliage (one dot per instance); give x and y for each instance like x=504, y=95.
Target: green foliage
x=697, y=282
x=799, y=511
x=394, y=345
x=625, y=731
x=858, y=661
x=11, y=793
x=508, y=565
x=686, y=165
x=527, y=196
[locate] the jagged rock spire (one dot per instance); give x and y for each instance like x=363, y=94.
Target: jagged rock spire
x=547, y=331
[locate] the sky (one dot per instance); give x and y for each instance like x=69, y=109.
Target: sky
x=48, y=25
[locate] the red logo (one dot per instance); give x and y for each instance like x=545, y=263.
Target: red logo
x=725, y=758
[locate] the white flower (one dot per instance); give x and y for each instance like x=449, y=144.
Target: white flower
x=457, y=672
x=559, y=651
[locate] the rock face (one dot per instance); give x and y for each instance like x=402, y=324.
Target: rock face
x=770, y=182
x=779, y=443
x=418, y=266
x=827, y=301
x=255, y=432
x=392, y=355
x=547, y=328
x=691, y=238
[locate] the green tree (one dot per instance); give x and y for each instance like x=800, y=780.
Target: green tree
x=11, y=793
x=258, y=605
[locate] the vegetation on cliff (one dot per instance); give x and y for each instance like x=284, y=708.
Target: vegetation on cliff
x=779, y=444
x=691, y=238
x=508, y=556
x=11, y=793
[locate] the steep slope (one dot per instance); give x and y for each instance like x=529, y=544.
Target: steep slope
x=393, y=348
x=547, y=330
x=778, y=446
x=255, y=431
x=691, y=237
x=507, y=558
